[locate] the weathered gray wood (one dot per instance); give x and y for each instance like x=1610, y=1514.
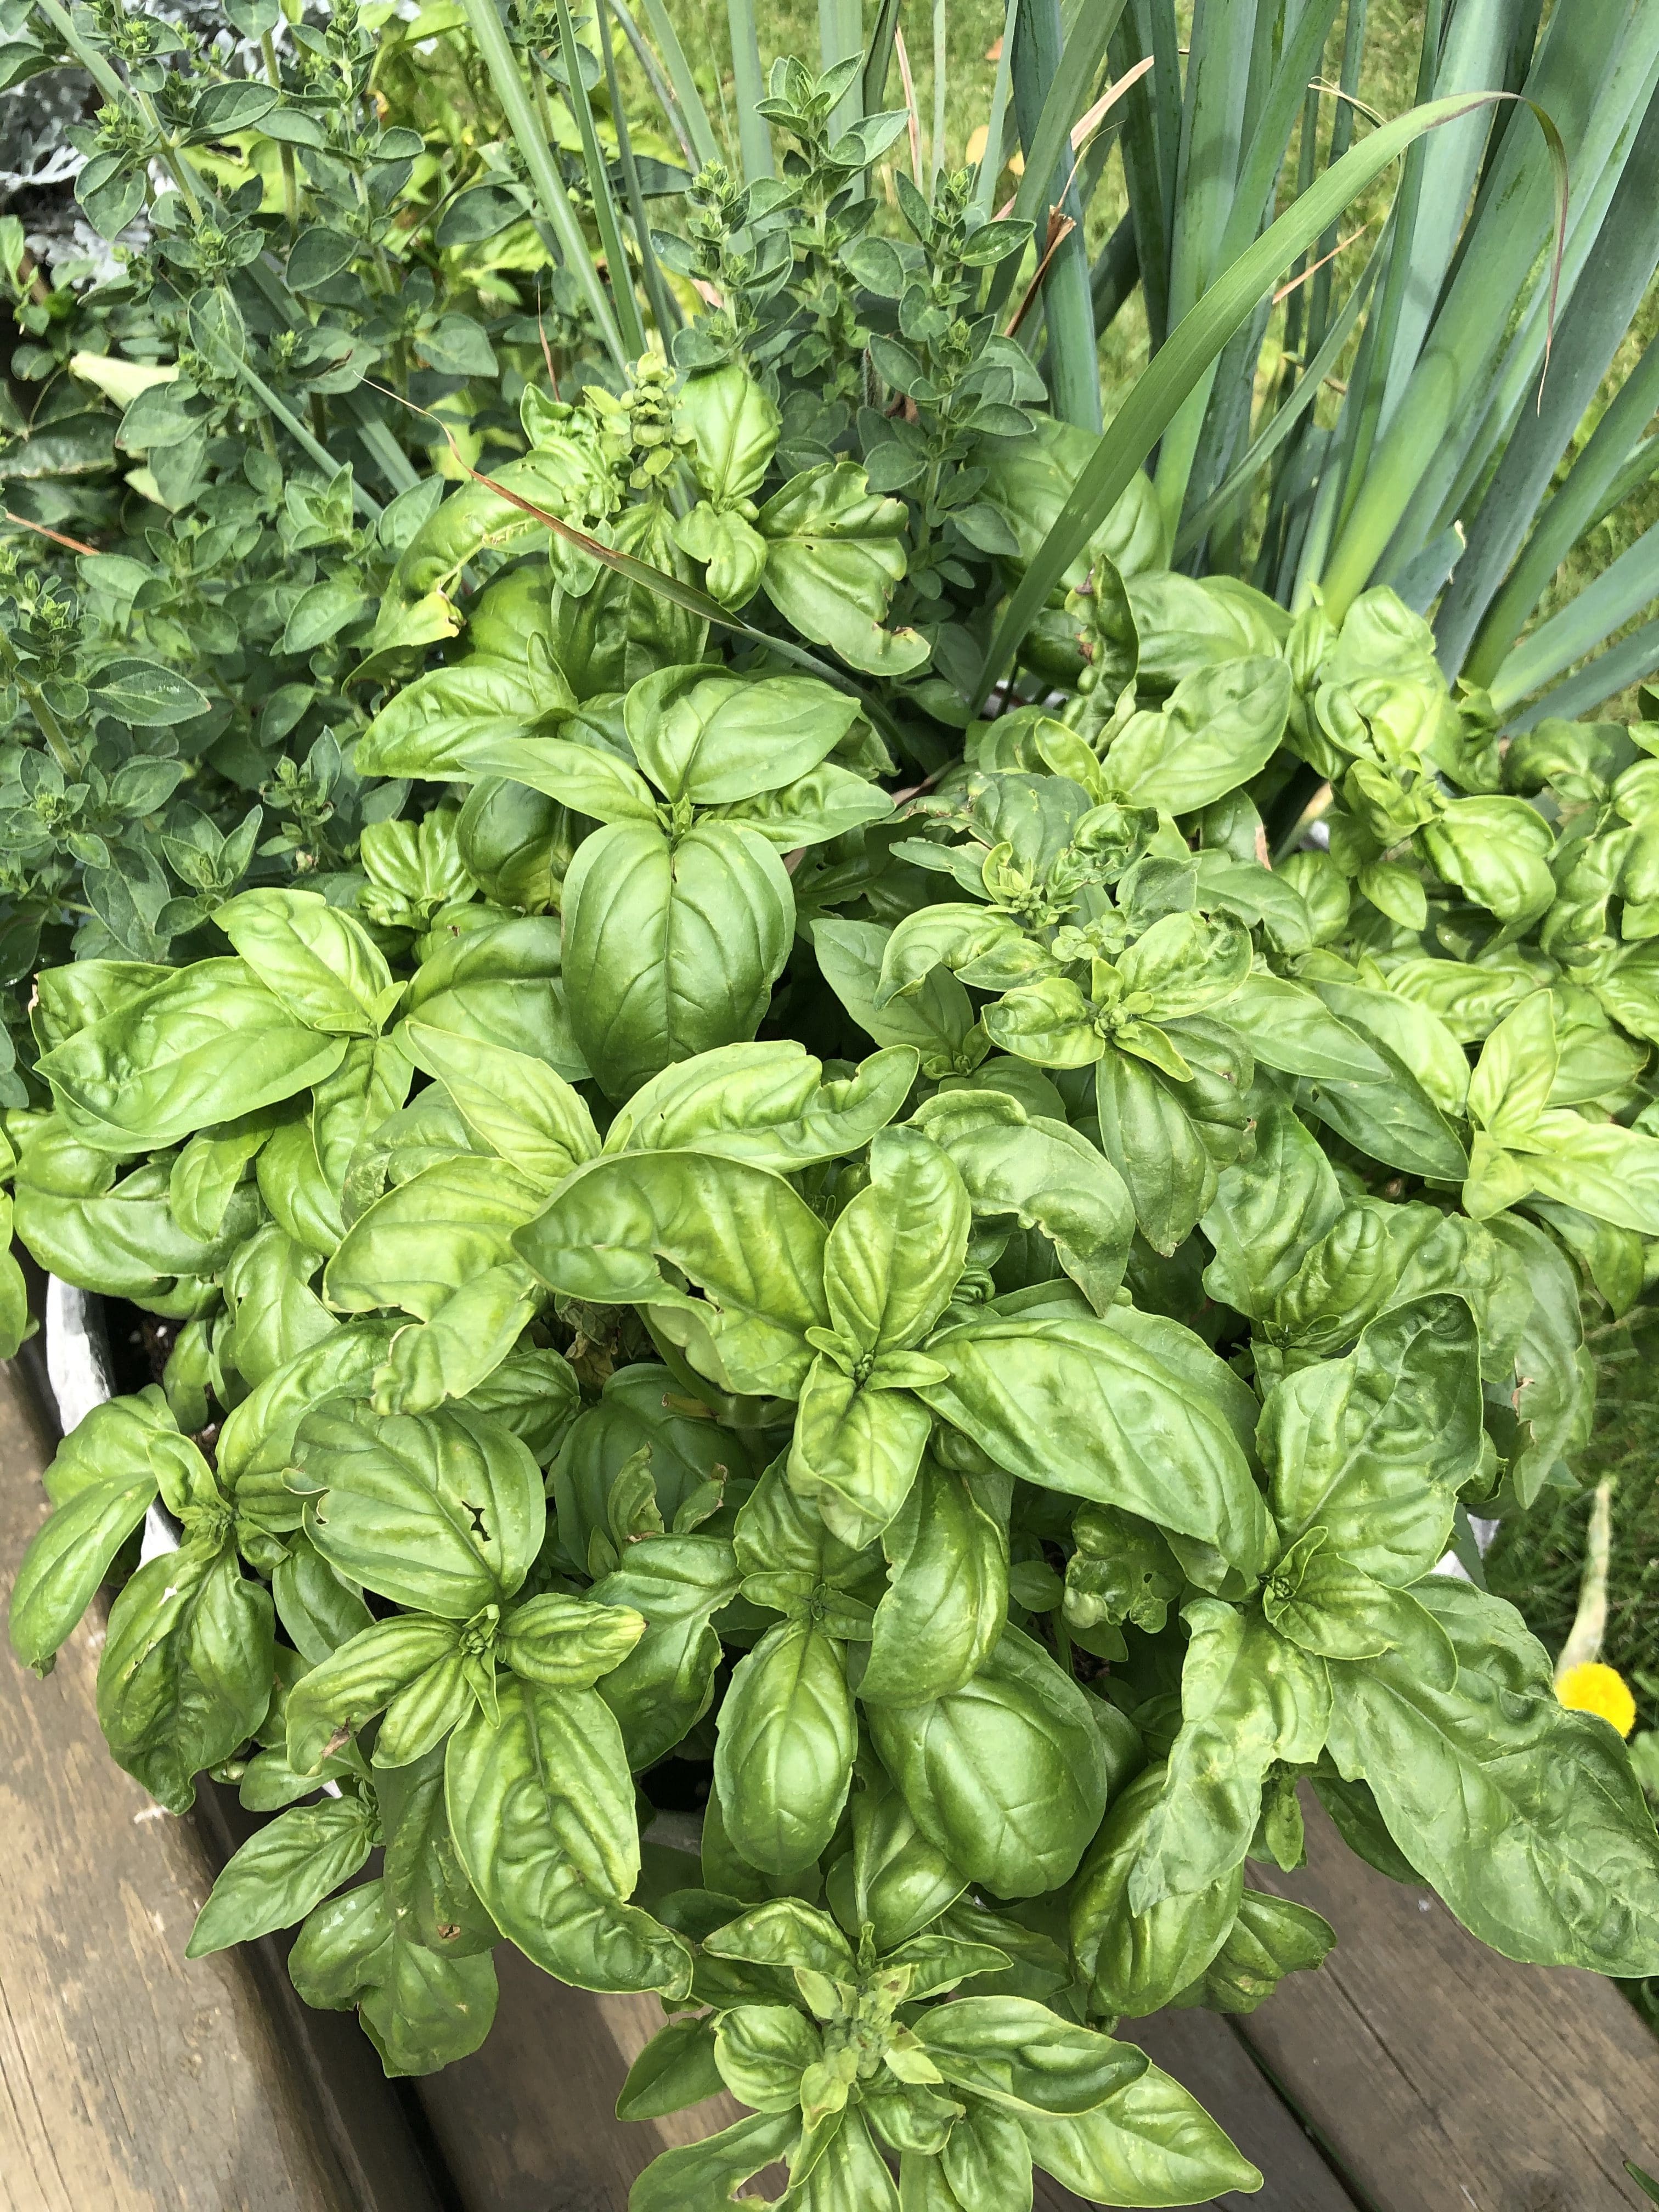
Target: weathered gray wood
x=129, y=2079
x=528, y=2123
x=1439, y=2077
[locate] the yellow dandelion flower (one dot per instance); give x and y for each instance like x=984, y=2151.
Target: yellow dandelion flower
x=1591, y=1687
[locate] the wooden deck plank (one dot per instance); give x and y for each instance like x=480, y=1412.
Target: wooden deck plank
x=528, y=2123
x=129, y=2079
x=1439, y=2077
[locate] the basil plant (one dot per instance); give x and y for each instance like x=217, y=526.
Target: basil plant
x=951, y=1329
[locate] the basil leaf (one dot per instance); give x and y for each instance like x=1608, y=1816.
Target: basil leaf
x=1375, y=1447
x=712, y=738
x=740, y=1235
x=420, y=2010
x=1248, y=1698
x=783, y=1760
x=1079, y=1405
x=1134, y=1962
x=343, y=1691
x=671, y=949
x=948, y=1595
x=442, y=1511
x=209, y=1044
x=282, y=1871
x=1021, y=2055
x=1006, y=1775
x=541, y=1808
x=662, y=1687
x=186, y=1671
x=1525, y=1816
x=766, y=1103
x=321, y=963
x=68, y=1558
x=1150, y=2143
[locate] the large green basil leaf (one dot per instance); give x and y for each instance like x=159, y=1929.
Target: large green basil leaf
x=517, y=1105
x=847, y=2173
x=671, y=948
x=1325, y=1605
x=986, y=2160
x=665, y=1684
x=1601, y=1168
x=704, y=2177
x=762, y=2052
x=204, y=1177
x=1554, y=1379
x=345, y=1691
x=187, y=1666
x=551, y=1776
x=855, y=1450
x=1497, y=850
x=209, y=1044
x=1006, y=1776
x=1268, y=1213
x=948, y=1594
x=1414, y=1033
x=323, y=964
x=1152, y=2143
x=284, y=1870
x=58, y=1575
x=791, y=1560
x=894, y=1878
x=1021, y=2055
x=708, y=737
x=256, y=1436
x=276, y=1312
x=541, y=1808
x=426, y=726
x=1394, y=1121
x=317, y=1609
x=534, y=1392
x=1080, y=1405
x=733, y=425
x=1375, y=1447
x=1133, y=1963
x=937, y=1020
x=1218, y=727
x=783, y=1761
x=500, y=982
x=743, y=1236
x=294, y=1188
x=369, y=1085
x=1247, y=1698
x=766, y=1103
x=430, y=1237
x=69, y=998
x=121, y=1240
x=1046, y=1174
x=1291, y=1029
x=441, y=1512
x=565, y=1642
x=833, y=551
x=1525, y=1816
x=897, y=1248
x=1156, y=1147
x=462, y=1344
x=420, y=2010
x=825, y=803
